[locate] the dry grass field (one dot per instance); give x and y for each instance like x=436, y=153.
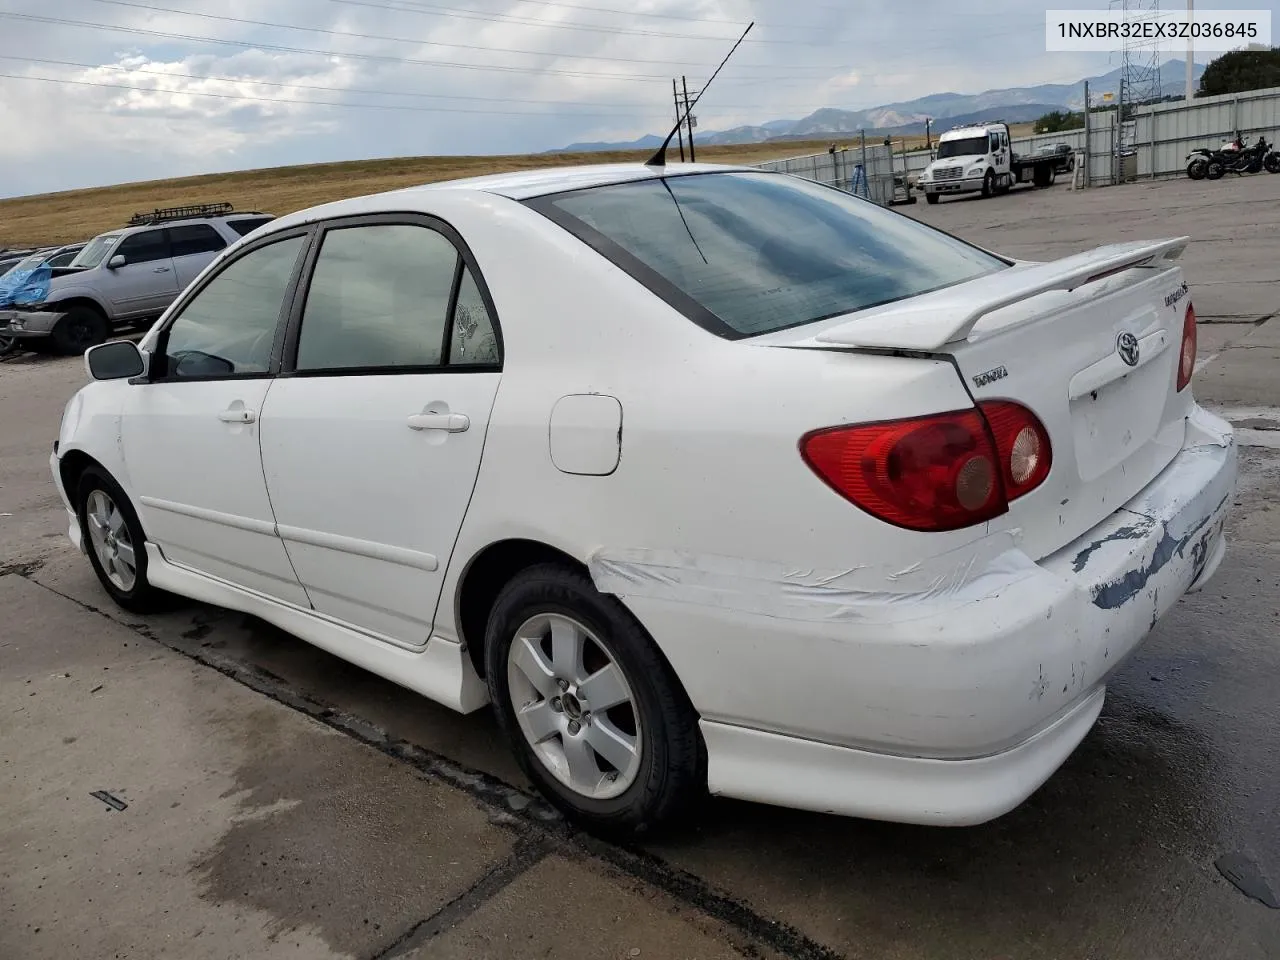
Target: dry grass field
x=79, y=214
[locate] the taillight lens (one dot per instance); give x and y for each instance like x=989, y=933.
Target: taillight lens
x=1187, y=358
x=934, y=473
x=1023, y=443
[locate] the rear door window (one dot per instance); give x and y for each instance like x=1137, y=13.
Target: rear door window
x=744, y=254
x=195, y=238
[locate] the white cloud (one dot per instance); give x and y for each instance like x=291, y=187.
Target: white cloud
x=800, y=56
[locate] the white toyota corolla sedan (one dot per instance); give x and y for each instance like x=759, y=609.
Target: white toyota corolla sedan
x=707, y=478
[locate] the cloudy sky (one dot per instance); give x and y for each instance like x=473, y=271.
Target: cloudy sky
x=140, y=89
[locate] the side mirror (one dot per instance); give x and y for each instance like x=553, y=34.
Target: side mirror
x=117, y=360
x=116, y=262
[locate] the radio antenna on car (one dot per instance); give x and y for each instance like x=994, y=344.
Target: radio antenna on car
x=659, y=158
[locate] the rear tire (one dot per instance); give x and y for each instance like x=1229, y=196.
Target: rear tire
x=1215, y=170
x=1272, y=163
x=551, y=637
x=1196, y=168
x=115, y=542
x=80, y=329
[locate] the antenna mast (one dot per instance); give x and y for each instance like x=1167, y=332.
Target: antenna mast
x=659, y=158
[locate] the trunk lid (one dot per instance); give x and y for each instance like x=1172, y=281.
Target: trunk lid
x=1058, y=338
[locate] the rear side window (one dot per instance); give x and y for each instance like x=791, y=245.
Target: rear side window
x=145, y=247
x=744, y=254
x=195, y=238
x=379, y=297
x=247, y=226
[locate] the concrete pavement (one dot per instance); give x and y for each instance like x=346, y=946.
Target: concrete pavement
x=312, y=797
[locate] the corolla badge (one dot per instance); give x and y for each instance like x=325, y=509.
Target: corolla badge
x=1127, y=347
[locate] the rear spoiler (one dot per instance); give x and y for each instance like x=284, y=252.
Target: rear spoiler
x=931, y=321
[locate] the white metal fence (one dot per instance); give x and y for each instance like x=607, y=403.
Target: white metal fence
x=1159, y=136
x=865, y=170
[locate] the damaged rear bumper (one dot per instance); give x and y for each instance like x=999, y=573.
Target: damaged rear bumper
x=951, y=696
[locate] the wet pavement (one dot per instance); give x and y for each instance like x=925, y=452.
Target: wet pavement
x=282, y=803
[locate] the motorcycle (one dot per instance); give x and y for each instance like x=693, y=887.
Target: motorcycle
x=1198, y=160
x=1249, y=160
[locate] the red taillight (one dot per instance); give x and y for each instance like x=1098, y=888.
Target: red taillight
x=1025, y=454
x=934, y=473
x=1187, y=358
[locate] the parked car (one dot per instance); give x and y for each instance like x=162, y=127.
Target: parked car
x=127, y=276
x=697, y=476
x=1065, y=154
x=11, y=258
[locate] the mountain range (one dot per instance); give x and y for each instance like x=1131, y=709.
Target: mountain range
x=945, y=110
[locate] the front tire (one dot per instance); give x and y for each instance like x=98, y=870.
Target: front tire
x=988, y=184
x=593, y=712
x=80, y=329
x=931, y=198
x=1214, y=170
x=113, y=538
x=1271, y=163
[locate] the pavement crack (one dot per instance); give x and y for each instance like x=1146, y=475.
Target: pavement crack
x=528, y=853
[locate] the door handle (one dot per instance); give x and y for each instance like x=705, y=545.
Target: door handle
x=452, y=422
x=237, y=415
x=160, y=270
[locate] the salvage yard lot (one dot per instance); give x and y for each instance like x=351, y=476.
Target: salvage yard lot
x=282, y=803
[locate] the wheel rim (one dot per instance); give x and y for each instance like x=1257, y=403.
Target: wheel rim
x=82, y=333
x=112, y=544
x=574, y=706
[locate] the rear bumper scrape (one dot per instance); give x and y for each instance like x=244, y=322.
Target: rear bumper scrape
x=866, y=593
x=1180, y=518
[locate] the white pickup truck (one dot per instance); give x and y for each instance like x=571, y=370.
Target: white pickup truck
x=980, y=158
x=126, y=276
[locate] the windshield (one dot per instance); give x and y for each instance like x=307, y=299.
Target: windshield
x=968, y=147
x=743, y=254
x=95, y=250
x=31, y=262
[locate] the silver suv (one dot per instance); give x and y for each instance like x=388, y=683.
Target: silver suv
x=127, y=275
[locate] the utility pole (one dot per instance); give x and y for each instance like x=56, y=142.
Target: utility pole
x=1191, y=67
x=675, y=95
x=928, y=143
x=693, y=157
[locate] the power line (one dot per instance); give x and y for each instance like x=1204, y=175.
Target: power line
x=667, y=16
x=365, y=91
x=330, y=54
x=284, y=100
x=433, y=10
x=374, y=36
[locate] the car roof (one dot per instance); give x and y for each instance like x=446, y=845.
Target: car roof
x=523, y=184
x=519, y=185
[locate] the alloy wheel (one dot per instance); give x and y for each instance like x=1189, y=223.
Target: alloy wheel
x=112, y=544
x=574, y=706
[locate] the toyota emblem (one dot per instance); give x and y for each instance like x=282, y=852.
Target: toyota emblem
x=1127, y=347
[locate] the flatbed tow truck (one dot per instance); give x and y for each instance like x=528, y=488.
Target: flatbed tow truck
x=979, y=158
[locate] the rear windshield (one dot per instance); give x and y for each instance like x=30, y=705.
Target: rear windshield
x=962, y=148
x=744, y=254
x=95, y=250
